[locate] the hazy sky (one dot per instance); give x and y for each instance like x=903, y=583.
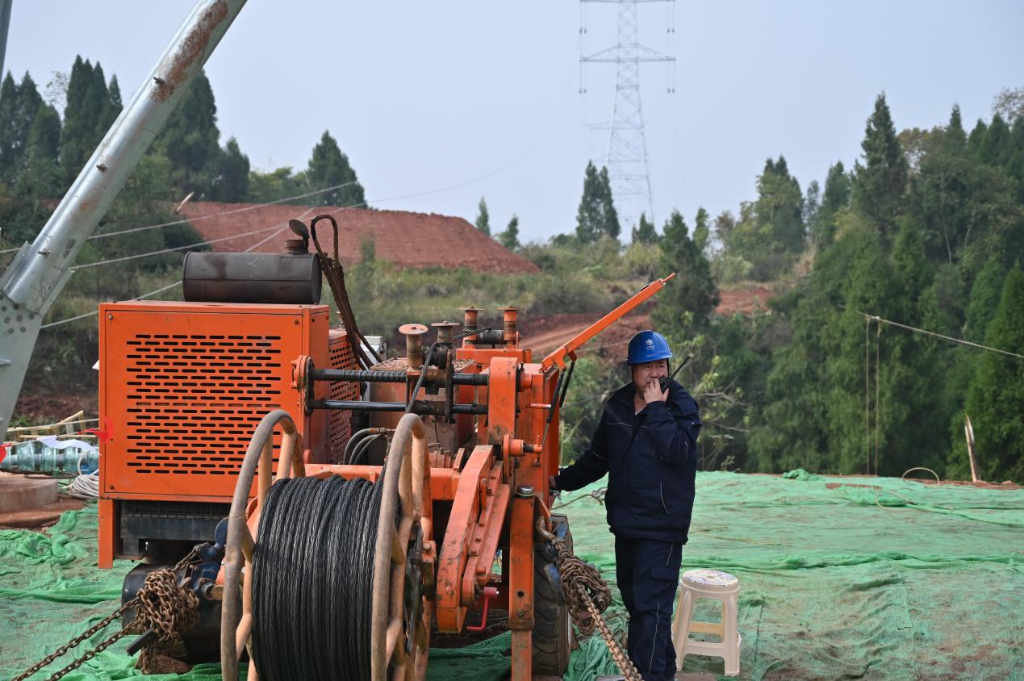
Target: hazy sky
x=483, y=96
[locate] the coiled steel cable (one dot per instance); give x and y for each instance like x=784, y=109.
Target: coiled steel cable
x=313, y=579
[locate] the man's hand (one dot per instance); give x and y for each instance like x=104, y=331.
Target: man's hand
x=653, y=393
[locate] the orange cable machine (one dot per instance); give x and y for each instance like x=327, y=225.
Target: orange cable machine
x=472, y=433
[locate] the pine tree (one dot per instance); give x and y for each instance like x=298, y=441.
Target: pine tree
x=702, y=230
x=880, y=183
x=1015, y=166
x=770, y=232
x=955, y=130
x=483, y=217
x=19, y=105
x=645, y=233
x=977, y=135
x=966, y=207
x=995, y=398
x=995, y=149
x=190, y=141
x=87, y=116
x=596, y=216
x=39, y=181
x=510, y=237
x=689, y=301
x=329, y=167
x=232, y=185
x=610, y=226
x=985, y=295
x=110, y=105
x=812, y=205
x=780, y=207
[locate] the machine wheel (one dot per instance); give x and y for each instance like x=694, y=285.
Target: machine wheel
x=400, y=640
x=403, y=565
x=552, y=628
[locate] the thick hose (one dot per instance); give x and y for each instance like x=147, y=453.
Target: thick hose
x=313, y=580
x=350, y=446
x=363, y=448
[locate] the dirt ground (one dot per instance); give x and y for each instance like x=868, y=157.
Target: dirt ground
x=52, y=407
x=38, y=518
x=743, y=302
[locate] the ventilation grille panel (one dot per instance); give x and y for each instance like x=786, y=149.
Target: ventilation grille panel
x=194, y=400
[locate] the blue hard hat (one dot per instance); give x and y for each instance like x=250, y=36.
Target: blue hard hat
x=648, y=346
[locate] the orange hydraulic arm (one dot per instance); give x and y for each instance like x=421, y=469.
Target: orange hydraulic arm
x=558, y=355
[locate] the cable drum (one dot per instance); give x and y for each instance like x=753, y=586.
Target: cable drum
x=312, y=579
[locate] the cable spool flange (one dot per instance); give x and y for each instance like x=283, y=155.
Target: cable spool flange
x=394, y=516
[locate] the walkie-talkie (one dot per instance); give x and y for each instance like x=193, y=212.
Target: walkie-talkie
x=664, y=380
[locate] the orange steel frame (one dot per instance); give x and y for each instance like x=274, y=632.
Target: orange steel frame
x=503, y=486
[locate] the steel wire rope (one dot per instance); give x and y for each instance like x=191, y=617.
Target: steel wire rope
x=951, y=339
x=169, y=286
x=279, y=228
x=313, y=579
x=207, y=216
x=360, y=204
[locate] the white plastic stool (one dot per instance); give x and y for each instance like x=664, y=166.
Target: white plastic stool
x=715, y=585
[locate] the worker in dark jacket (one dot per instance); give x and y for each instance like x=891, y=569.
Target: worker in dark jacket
x=647, y=444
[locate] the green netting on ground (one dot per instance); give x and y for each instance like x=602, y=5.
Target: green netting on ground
x=840, y=578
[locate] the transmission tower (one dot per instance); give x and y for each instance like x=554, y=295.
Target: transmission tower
x=628, y=169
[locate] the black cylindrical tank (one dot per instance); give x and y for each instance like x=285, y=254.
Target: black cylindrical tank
x=252, y=278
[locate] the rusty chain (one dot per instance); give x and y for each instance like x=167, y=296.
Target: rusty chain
x=622, y=661
x=588, y=596
x=166, y=608
x=102, y=624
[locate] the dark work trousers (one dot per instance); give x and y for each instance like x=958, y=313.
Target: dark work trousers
x=647, y=571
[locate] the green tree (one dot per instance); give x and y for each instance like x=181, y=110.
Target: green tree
x=191, y=141
x=689, y=301
x=770, y=232
x=41, y=179
x=995, y=398
x=645, y=233
x=1015, y=166
x=815, y=403
x=112, y=105
x=955, y=129
x=780, y=207
x=967, y=208
x=483, y=217
x=835, y=198
x=510, y=237
x=276, y=185
x=596, y=216
x=994, y=149
x=87, y=116
x=19, y=105
x=329, y=167
x=977, y=135
x=232, y=184
x=812, y=205
x=880, y=183
x=702, y=230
